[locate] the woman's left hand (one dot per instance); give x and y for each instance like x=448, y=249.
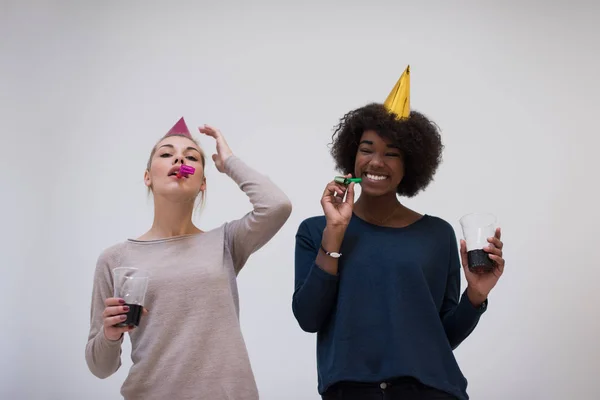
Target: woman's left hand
x=223, y=150
x=480, y=285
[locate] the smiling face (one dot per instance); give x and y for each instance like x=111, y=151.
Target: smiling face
x=168, y=156
x=379, y=164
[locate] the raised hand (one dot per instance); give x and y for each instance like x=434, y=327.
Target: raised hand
x=223, y=150
x=480, y=285
x=338, y=210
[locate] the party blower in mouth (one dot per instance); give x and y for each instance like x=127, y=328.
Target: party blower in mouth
x=184, y=171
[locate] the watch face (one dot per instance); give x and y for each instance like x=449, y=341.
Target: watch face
x=335, y=255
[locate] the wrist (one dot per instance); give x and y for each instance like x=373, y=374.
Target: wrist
x=110, y=339
x=335, y=229
x=226, y=157
x=333, y=236
x=475, y=297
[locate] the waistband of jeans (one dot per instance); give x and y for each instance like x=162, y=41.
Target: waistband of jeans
x=376, y=384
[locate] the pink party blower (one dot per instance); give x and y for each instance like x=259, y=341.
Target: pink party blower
x=185, y=170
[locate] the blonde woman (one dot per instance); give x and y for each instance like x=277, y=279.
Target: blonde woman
x=188, y=344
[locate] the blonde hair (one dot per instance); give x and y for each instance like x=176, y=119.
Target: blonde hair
x=202, y=157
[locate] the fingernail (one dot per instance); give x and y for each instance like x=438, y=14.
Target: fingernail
x=123, y=317
x=126, y=308
x=121, y=301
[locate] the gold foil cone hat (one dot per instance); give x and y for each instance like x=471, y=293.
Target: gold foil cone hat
x=398, y=101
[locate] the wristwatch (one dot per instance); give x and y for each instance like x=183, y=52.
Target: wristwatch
x=483, y=305
x=332, y=254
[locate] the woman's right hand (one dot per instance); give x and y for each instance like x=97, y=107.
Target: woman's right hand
x=114, y=313
x=338, y=211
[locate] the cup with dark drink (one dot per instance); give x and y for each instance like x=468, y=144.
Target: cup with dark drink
x=130, y=284
x=477, y=228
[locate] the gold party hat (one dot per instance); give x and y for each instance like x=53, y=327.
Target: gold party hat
x=398, y=101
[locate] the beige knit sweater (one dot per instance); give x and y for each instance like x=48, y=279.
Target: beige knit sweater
x=190, y=345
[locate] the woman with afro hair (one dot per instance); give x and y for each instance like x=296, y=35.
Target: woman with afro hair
x=380, y=283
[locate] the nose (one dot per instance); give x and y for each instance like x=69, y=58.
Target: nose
x=376, y=161
x=177, y=160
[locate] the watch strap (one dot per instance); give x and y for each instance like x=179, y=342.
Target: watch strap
x=333, y=254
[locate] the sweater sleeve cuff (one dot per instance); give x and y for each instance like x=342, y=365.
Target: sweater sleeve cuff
x=108, y=344
x=469, y=308
x=227, y=165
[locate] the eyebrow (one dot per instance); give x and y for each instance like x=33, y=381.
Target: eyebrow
x=393, y=146
x=172, y=147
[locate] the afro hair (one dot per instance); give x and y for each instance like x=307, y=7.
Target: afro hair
x=417, y=137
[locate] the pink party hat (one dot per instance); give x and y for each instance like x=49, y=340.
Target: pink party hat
x=180, y=128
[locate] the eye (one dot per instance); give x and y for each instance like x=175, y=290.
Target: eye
x=393, y=155
x=165, y=155
x=192, y=158
x=366, y=151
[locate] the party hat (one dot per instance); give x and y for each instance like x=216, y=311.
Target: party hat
x=398, y=101
x=180, y=128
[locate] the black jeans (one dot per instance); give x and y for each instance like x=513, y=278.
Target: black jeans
x=397, y=389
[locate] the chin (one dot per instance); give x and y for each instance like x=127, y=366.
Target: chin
x=176, y=193
x=376, y=193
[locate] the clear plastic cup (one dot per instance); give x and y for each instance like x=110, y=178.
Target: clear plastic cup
x=130, y=284
x=477, y=228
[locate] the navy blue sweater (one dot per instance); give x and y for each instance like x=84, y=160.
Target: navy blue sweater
x=394, y=309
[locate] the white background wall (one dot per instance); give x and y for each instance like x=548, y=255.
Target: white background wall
x=86, y=90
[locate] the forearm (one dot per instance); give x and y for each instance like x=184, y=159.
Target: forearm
x=332, y=242
x=103, y=356
x=316, y=276
x=271, y=209
x=313, y=301
x=266, y=197
x=462, y=320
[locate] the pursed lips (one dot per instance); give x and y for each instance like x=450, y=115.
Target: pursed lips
x=175, y=171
